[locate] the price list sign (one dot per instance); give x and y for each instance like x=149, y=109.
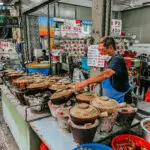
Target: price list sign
x=94, y=57
x=116, y=26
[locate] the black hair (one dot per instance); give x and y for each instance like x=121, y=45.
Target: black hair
x=108, y=41
x=44, y=51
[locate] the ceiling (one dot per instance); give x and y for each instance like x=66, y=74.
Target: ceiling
x=117, y=4
x=127, y=4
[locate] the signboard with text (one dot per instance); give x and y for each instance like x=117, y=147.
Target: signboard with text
x=116, y=27
x=94, y=57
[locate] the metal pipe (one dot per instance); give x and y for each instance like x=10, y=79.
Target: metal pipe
x=21, y=29
x=108, y=17
x=74, y=5
x=39, y=6
x=26, y=37
x=49, y=37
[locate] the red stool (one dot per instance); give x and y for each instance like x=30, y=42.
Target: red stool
x=147, y=97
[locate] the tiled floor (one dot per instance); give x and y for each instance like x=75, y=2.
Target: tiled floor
x=7, y=141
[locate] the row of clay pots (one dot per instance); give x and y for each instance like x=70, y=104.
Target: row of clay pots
x=83, y=119
x=103, y=103
x=81, y=133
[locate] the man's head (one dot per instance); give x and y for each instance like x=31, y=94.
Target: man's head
x=44, y=52
x=107, y=46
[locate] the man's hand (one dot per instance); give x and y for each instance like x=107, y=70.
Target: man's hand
x=93, y=86
x=80, y=86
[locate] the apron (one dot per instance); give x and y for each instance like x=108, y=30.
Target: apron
x=112, y=93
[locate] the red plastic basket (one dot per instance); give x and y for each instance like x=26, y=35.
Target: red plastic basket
x=136, y=139
x=43, y=146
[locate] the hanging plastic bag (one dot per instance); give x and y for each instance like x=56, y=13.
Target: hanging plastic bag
x=78, y=75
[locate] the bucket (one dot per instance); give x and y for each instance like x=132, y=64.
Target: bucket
x=93, y=146
x=145, y=131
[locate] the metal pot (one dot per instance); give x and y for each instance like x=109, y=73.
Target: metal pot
x=146, y=133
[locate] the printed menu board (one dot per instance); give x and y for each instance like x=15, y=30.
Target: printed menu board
x=94, y=57
x=116, y=26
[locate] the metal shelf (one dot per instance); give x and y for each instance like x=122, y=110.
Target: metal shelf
x=129, y=37
x=61, y=38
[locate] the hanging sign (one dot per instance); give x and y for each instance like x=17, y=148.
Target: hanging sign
x=43, y=29
x=116, y=26
x=94, y=57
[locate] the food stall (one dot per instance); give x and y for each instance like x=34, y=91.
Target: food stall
x=39, y=108
x=46, y=110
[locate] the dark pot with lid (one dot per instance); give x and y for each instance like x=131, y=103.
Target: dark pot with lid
x=61, y=96
x=105, y=104
x=83, y=113
x=85, y=97
x=58, y=87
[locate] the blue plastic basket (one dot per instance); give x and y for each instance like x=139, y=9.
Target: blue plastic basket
x=44, y=71
x=84, y=63
x=93, y=147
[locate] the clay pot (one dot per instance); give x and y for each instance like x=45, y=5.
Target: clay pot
x=61, y=97
x=38, y=86
x=84, y=98
x=83, y=134
x=24, y=80
x=126, y=115
x=53, y=108
x=57, y=87
x=107, y=123
x=83, y=113
x=62, y=117
x=20, y=95
x=104, y=104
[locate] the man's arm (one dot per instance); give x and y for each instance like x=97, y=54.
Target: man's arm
x=95, y=79
x=101, y=76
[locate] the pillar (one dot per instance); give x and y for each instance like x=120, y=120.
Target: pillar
x=101, y=15
x=98, y=19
